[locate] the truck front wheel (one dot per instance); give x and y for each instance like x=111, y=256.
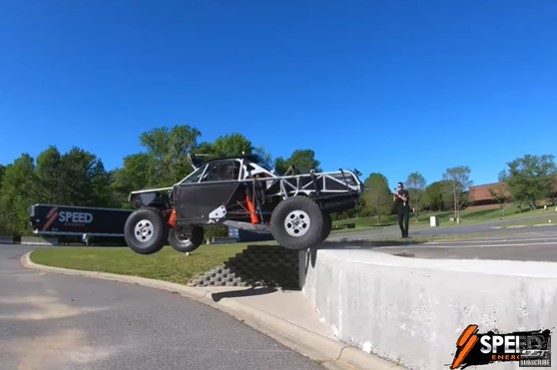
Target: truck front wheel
x=145, y=231
x=297, y=223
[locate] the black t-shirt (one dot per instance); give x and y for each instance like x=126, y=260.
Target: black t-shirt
x=400, y=204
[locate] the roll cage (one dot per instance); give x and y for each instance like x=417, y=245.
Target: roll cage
x=229, y=190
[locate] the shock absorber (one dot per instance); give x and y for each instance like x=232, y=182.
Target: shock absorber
x=251, y=207
x=172, y=218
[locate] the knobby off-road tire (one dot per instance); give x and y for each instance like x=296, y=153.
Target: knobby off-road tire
x=145, y=231
x=187, y=239
x=297, y=223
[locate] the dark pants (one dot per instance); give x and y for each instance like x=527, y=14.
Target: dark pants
x=403, y=218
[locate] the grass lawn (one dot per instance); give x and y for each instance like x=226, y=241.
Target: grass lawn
x=166, y=265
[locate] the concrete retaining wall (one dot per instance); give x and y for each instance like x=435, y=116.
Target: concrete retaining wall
x=412, y=311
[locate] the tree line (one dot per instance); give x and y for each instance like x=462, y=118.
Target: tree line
x=79, y=177
x=526, y=181
x=449, y=193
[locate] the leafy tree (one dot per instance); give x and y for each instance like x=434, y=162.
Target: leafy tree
x=302, y=160
x=134, y=175
x=50, y=187
x=434, y=198
x=553, y=190
x=281, y=165
x=359, y=209
x=204, y=149
x=168, y=150
x=232, y=145
x=460, y=182
x=530, y=178
x=416, y=184
x=18, y=194
x=2, y=171
x=101, y=182
x=378, y=197
x=225, y=146
x=501, y=193
x=86, y=183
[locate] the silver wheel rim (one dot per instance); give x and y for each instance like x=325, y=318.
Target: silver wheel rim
x=297, y=223
x=186, y=241
x=144, y=230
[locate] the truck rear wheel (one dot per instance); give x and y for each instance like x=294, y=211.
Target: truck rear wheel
x=144, y=231
x=297, y=223
x=186, y=239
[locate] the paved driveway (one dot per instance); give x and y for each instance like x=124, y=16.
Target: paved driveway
x=527, y=246
x=51, y=321
x=493, y=229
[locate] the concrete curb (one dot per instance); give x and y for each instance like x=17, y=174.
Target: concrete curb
x=328, y=352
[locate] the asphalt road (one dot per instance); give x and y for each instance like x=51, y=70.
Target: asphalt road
x=50, y=321
x=488, y=229
x=525, y=244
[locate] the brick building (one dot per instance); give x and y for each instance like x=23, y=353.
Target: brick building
x=480, y=195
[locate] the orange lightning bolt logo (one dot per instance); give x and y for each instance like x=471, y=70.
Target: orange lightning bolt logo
x=464, y=345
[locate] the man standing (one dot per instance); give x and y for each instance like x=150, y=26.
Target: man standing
x=401, y=198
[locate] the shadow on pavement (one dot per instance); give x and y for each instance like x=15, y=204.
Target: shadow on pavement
x=252, y=291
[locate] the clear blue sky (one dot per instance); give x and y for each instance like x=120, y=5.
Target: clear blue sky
x=383, y=86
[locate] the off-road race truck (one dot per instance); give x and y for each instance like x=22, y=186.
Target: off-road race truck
x=240, y=192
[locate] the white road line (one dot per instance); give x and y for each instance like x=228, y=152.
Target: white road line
x=489, y=241
x=410, y=247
